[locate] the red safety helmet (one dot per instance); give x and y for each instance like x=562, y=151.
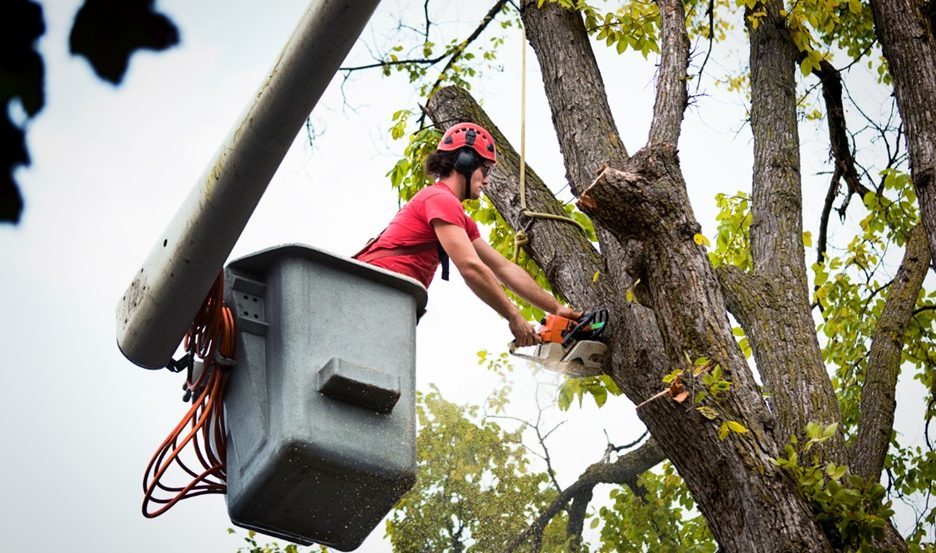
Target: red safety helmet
x=469, y=135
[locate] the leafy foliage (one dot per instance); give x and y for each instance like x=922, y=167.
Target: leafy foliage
x=733, y=241
x=851, y=511
x=635, y=25
x=851, y=289
x=659, y=516
x=474, y=488
x=408, y=176
x=599, y=387
x=23, y=81
x=705, y=382
x=107, y=33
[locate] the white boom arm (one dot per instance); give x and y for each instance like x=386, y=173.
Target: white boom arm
x=165, y=294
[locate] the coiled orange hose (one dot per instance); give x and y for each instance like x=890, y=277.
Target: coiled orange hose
x=211, y=339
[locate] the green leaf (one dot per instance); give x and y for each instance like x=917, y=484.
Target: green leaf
x=723, y=431
x=836, y=472
x=737, y=427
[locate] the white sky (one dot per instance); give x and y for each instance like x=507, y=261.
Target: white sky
x=110, y=166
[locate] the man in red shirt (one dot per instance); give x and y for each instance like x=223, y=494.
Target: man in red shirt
x=433, y=227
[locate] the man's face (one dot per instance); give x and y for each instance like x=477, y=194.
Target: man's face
x=479, y=179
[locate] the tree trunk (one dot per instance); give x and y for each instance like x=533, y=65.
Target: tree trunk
x=750, y=504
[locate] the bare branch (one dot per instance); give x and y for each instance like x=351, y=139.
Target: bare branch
x=624, y=471
x=710, y=12
x=453, y=54
x=460, y=49
x=831, y=80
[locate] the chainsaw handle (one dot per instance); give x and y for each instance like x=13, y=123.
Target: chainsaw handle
x=581, y=324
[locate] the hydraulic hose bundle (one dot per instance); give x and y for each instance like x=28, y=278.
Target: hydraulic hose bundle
x=210, y=339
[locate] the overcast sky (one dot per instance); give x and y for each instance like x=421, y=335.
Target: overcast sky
x=110, y=167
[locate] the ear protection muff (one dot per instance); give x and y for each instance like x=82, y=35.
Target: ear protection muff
x=466, y=161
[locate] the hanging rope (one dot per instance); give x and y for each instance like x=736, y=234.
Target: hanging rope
x=211, y=339
x=520, y=237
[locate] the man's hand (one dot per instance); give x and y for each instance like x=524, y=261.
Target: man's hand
x=568, y=313
x=523, y=332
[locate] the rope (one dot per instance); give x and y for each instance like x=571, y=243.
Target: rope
x=520, y=237
x=210, y=338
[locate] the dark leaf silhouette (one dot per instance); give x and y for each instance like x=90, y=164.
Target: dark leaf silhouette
x=21, y=80
x=107, y=32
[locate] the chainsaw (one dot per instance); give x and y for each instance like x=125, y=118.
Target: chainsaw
x=573, y=348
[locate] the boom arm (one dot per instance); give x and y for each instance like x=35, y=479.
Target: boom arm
x=162, y=299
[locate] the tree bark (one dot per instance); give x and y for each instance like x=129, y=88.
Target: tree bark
x=671, y=96
x=781, y=331
x=878, y=402
x=735, y=500
x=906, y=37
x=589, y=140
x=588, y=136
x=750, y=504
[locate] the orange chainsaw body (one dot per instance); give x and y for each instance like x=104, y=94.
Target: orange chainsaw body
x=555, y=328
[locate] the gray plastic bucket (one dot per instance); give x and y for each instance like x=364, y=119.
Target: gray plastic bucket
x=320, y=406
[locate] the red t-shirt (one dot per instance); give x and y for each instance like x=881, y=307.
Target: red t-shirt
x=412, y=226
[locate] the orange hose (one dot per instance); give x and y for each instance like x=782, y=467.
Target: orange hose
x=210, y=338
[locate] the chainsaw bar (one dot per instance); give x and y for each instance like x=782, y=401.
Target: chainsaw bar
x=568, y=368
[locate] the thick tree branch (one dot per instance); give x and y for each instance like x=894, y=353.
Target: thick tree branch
x=624, y=471
x=906, y=37
x=581, y=114
x=790, y=360
x=744, y=293
x=759, y=304
x=672, y=96
x=588, y=136
x=878, y=402
x=578, y=508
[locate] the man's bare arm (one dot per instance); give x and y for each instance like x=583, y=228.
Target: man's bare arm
x=518, y=280
x=482, y=281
